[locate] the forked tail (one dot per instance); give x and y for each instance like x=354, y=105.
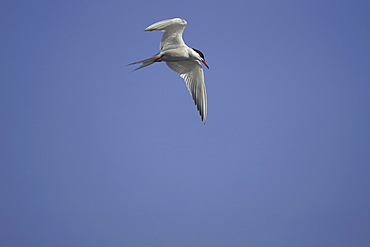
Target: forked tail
x=146, y=62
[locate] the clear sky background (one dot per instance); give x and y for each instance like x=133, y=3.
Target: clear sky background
x=94, y=155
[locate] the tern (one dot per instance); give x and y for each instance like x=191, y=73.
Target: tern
x=182, y=59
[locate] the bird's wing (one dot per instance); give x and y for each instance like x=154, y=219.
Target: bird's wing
x=192, y=73
x=173, y=29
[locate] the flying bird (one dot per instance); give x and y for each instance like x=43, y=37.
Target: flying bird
x=182, y=59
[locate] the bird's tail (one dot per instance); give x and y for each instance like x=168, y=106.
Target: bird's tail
x=146, y=62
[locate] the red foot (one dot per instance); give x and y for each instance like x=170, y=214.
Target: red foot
x=158, y=59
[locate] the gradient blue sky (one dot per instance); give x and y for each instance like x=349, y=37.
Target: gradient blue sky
x=94, y=155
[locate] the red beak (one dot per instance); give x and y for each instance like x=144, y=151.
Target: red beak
x=205, y=63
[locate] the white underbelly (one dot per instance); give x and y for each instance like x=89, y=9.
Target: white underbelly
x=175, y=54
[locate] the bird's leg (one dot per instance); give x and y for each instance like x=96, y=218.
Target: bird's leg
x=158, y=59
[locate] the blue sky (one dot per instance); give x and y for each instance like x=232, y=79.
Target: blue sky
x=94, y=155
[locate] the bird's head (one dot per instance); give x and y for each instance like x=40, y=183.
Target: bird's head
x=201, y=57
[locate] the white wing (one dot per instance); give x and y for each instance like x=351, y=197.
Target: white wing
x=192, y=73
x=173, y=29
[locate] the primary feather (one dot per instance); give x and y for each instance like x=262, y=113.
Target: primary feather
x=172, y=29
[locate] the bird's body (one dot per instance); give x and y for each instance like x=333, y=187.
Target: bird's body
x=180, y=58
x=176, y=54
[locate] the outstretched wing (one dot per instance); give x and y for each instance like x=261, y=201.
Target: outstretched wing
x=173, y=29
x=192, y=73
